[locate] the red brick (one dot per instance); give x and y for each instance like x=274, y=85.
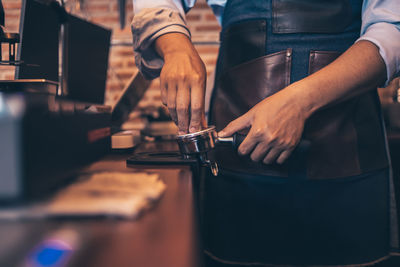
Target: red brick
x=115, y=64
x=105, y=20
x=93, y=7
x=12, y=27
x=12, y=11
x=200, y=5
x=207, y=49
x=121, y=34
x=8, y=4
x=211, y=17
x=124, y=74
x=114, y=87
x=130, y=63
x=211, y=62
x=193, y=17
x=128, y=53
x=12, y=17
x=128, y=7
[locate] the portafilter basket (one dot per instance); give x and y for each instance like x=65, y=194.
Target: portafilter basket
x=197, y=144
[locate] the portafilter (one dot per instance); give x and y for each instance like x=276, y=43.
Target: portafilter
x=197, y=144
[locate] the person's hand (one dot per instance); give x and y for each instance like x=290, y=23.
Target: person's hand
x=182, y=81
x=276, y=125
x=390, y=93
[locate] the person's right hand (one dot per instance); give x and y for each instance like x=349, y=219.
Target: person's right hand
x=390, y=93
x=182, y=81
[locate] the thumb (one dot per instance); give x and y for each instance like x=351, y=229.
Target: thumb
x=236, y=125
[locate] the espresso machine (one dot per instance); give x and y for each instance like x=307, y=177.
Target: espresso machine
x=45, y=138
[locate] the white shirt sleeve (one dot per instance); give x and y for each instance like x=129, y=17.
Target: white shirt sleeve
x=151, y=20
x=381, y=26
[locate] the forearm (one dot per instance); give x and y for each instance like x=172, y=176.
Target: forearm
x=356, y=71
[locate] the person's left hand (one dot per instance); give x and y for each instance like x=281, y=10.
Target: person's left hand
x=276, y=125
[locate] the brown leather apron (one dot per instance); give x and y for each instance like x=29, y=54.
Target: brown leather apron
x=346, y=139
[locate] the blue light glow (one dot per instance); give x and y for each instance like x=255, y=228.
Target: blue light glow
x=50, y=253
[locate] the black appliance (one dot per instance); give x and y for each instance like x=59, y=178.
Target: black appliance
x=44, y=141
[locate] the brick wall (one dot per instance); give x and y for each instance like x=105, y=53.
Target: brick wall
x=201, y=22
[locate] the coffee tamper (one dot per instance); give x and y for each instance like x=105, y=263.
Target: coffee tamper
x=196, y=145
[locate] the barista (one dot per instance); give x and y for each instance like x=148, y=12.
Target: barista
x=288, y=72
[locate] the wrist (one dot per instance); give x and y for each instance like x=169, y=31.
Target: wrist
x=171, y=44
x=303, y=98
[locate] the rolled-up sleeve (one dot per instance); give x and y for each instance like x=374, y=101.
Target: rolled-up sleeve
x=151, y=20
x=381, y=26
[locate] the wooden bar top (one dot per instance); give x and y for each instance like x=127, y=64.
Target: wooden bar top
x=164, y=236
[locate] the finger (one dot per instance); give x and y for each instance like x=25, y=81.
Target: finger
x=182, y=107
x=284, y=156
x=248, y=144
x=259, y=152
x=171, y=102
x=234, y=126
x=164, y=94
x=163, y=90
x=272, y=155
x=197, y=117
x=203, y=121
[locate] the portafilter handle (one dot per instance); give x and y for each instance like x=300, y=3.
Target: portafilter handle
x=235, y=140
x=199, y=143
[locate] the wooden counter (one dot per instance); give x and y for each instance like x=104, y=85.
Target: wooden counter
x=165, y=236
